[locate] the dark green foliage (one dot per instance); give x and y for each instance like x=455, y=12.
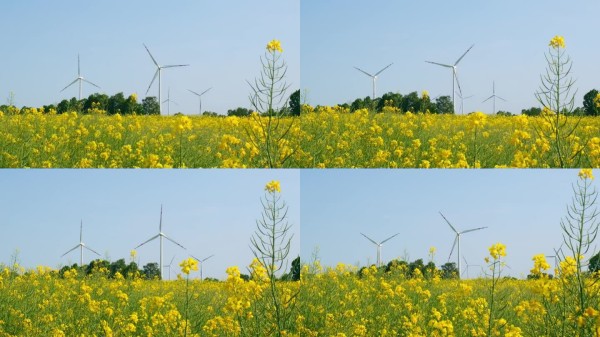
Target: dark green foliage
x=449, y=270
x=151, y=271
x=294, y=103
x=589, y=106
x=240, y=112
x=533, y=111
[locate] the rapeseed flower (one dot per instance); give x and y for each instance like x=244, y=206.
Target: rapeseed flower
x=188, y=265
x=557, y=42
x=273, y=46
x=497, y=250
x=273, y=186
x=586, y=174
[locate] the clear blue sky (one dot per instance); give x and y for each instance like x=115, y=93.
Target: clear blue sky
x=207, y=211
x=510, y=40
x=221, y=40
x=522, y=209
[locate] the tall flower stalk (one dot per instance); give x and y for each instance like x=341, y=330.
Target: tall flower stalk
x=187, y=266
x=267, y=97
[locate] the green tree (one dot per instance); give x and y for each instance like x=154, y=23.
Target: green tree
x=294, y=103
x=443, y=105
x=589, y=106
x=449, y=270
x=151, y=271
x=594, y=263
x=150, y=106
x=99, y=101
x=533, y=111
x=118, y=266
x=240, y=112
x=116, y=104
x=411, y=102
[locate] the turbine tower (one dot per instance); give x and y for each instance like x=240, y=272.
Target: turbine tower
x=169, y=267
x=169, y=101
x=79, y=79
x=457, y=240
x=494, y=96
x=160, y=236
x=200, y=97
x=374, y=77
x=159, y=68
x=379, y=245
x=201, y=262
x=462, y=100
x=81, y=245
x=469, y=266
x=454, y=74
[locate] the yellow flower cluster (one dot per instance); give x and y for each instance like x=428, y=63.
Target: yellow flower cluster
x=274, y=45
x=586, y=174
x=188, y=265
x=539, y=264
x=273, y=186
x=557, y=42
x=497, y=250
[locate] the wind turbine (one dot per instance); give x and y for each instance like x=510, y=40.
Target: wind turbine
x=160, y=236
x=462, y=99
x=201, y=262
x=169, y=266
x=200, y=97
x=374, y=77
x=494, y=96
x=457, y=240
x=159, y=68
x=169, y=101
x=468, y=266
x=379, y=245
x=81, y=245
x=454, y=73
x=79, y=78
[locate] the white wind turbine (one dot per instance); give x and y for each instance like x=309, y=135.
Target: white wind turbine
x=159, y=68
x=379, y=245
x=79, y=79
x=169, y=101
x=457, y=240
x=81, y=245
x=469, y=266
x=374, y=77
x=201, y=262
x=462, y=99
x=169, y=267
x=454, y=74
x=494, y=96
x=160, y=236
x=200, y=98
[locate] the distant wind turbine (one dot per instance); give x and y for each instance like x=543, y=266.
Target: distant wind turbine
x=462, y=99
x=494, y=96
x=200, y=98
x=374, y=77
x=169, y=101
x=169, y=267
x=79, y=79
x=160, y=236
x=457, y=240
x=201, y=263
x=379, y=245
x=81, y=245
x=469, y=266
x=159, y=68
x=454, y=74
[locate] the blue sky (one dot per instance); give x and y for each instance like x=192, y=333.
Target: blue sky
x=510, y=40
x=221, y=40
x=521, y=208
x=207, y=211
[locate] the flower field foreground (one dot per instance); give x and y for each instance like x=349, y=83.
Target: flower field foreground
x=34, y=139
x=336, y=138
x=40, y=303
x=337, y=302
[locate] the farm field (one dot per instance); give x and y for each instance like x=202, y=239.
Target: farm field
x=336, y=138
x=39, y=303
x=70, y=140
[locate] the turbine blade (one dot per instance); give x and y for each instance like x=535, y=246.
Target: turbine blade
x=388, y=238
x=205, y=91
x=463, y=55
x=453, y=245
x=454, y=229
x=160, y=223
x=193, y=92
x=195, y=258
x=487, y=99
x=151, y=82
x=90, y=249
x=364, y=72
x=379, y=72
x=86, y=81
x=78, y=66
x=472, y=230
x=70, y=84
x=368, y=238
x=70, y=250
x=166, y=237
x=467, y=263
x=172, y=260
x=176, y=65
x=208, y=258
x=152, y=57
x=501, y=98
x=440, y=64
x=456, y=78
x=145, y=242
